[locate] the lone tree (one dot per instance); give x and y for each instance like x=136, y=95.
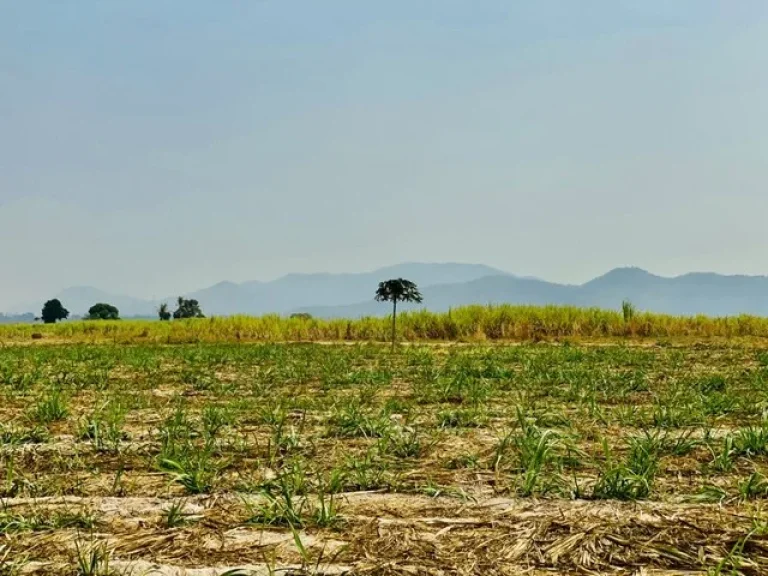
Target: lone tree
x=187, y=309
x=301, y=316
x=397, y=290
x=103, y=311
x=53, y=311
x=163, y=313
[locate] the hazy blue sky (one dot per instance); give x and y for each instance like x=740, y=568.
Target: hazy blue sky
x=152, y=148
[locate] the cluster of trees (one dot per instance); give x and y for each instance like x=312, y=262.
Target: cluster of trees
x=103, y=311
x=394, y=290
x=186, y=308
x=54, y=311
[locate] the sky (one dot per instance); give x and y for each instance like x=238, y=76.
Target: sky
x=154, y=148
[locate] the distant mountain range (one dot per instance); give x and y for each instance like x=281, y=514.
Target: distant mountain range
x=690, y=294
x=449, y=285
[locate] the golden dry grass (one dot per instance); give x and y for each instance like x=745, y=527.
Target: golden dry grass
x=469, y=324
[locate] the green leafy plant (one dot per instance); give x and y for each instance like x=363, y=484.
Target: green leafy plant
x=92, y=559
x=197, y=472
x=175, y=515
x=51, y=408
x=405, y=443
x=630, y=480
x=756, y=486
x=104, y=428
x=351, y=420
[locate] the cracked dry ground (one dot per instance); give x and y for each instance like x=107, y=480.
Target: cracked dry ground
x=252, y=459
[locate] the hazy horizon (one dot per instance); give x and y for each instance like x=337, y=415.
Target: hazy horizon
x=150, y=149
x=83, y=294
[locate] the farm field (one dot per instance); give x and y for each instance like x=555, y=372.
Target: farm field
x=494, y=323
x=619, y=457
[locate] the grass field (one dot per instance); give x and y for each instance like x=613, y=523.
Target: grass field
x=466, y=324
x=632, y=457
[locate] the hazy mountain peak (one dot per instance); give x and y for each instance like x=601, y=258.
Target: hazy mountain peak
x=415, y=268
x=623, y=274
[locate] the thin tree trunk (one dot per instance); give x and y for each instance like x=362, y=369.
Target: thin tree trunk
x=394, y=323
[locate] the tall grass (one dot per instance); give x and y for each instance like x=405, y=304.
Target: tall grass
x=469, y=323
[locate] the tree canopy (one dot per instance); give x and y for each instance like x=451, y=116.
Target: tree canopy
x=103, y=311
x=301, y=316
x=53, y=311
x=163, y=313
x=398, y=290
x=187, y=308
